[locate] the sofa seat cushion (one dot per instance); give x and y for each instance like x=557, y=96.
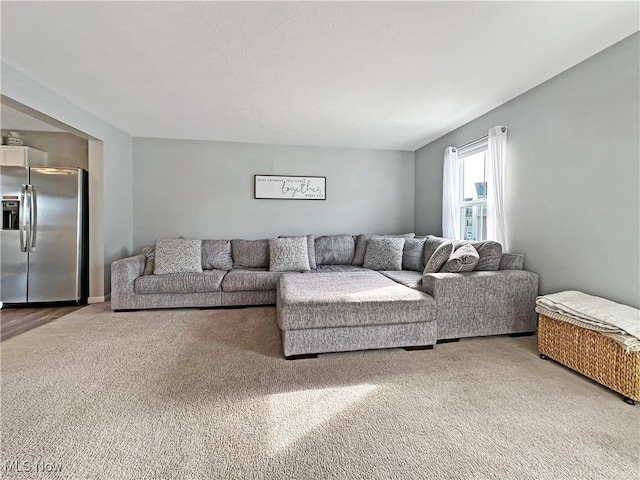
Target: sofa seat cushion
x=338, y=268
x=207, y=281
x=240, y=279
x=408, y=278
x=349, y=299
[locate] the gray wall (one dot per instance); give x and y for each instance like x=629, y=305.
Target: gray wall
x=63, y=149
x=110, y=175
x=573, y=190
x=205, y=190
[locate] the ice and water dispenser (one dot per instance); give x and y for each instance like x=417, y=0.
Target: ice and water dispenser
x=10, y=214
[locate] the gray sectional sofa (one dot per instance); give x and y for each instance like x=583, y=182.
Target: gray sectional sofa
x=346, y=298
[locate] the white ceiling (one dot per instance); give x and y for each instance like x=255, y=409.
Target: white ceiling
x=385, y=75
x=12, y=119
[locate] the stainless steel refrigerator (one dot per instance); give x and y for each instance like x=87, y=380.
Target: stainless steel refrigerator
x=44, y=236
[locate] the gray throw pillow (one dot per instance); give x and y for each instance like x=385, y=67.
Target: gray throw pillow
x=361, y=245
x=311, y=249
x=335, y=249
x=464, y=259
x=490, y=253
x=288, y=255
x=216, y=254
x=250, y=253
x=412, y=254
x=178, y=255
x=439, y=257
x=384, y=254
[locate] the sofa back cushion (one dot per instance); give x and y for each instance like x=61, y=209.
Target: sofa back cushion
x=150, y=263
x=216, y=254
x=178, y=255
x=288, y=255
x=384, y=254
x=512, y=261
x=413, y=254
x=250, y=253
x=335, y=249
x=490, y=253
x=311, y=249
x=361, y=245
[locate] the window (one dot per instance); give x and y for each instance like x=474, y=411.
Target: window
x=473, y=190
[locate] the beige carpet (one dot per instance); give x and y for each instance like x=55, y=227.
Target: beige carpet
x=191, y=394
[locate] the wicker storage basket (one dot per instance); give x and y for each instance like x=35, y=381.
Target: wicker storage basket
x=591, y=354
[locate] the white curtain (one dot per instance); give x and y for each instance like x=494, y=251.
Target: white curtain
x=451, y=195
x=496, y=163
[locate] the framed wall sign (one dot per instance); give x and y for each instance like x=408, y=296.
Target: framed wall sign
x=289, y=188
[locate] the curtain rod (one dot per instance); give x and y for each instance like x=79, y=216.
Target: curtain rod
x=477, y=140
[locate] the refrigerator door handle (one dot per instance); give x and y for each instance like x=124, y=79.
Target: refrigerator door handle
x=23, y=215
x=33, y=224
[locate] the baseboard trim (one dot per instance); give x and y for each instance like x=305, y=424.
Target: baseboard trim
x=106, y=298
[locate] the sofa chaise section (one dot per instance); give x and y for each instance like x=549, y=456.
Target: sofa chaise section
x=347, y=311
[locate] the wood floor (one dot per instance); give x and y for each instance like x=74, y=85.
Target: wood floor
x=14, y=321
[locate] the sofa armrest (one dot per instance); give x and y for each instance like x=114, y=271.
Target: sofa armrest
x=483, y=303
x=511, y=261
x=123, y=275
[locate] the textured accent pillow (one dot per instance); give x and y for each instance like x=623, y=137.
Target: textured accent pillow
x=178, y=255
x=361, y=245
x=216, y=254
x=412, y=254
x=288, y=255
x=335, y=249
x=311, y=249
x=464, y=259
x=150, y=263
x=431, y=245
x=490, y=253
x=458, y=243
x=384, y=254
x=250, y=253
x=439, y=257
